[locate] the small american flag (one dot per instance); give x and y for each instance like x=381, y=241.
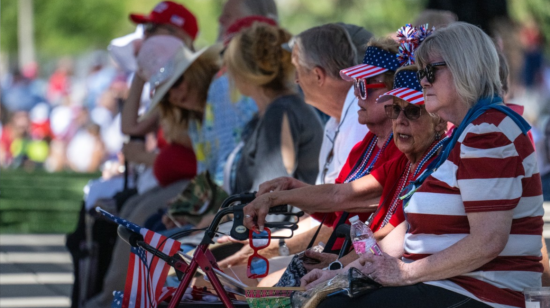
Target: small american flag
x=146, y=273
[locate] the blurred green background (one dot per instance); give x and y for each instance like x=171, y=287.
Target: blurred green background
x=40, y=202
x=65, y=27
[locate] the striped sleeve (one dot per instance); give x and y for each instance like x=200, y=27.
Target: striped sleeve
x=490, y=172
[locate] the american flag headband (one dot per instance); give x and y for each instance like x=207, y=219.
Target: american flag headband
x=407, y=79
x=381, y=58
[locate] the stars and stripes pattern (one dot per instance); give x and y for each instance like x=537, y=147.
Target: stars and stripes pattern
x=405, y=87
x=375, y=62
x=146, y=273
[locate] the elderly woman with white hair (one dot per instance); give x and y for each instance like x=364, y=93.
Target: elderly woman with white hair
x=472, y=236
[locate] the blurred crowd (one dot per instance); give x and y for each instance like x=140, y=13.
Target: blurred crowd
x=62, y=121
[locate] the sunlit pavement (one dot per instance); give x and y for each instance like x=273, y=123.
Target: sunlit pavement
x=36, y=270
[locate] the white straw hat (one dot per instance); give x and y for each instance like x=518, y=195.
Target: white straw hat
x=168, y=74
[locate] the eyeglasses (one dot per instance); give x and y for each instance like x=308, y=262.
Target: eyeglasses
x=362, y=87
x=411, y=112
x=258, y=266
x=429, y=72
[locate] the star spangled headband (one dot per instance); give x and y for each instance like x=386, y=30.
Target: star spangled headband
x=405, y=87
x=375, y=62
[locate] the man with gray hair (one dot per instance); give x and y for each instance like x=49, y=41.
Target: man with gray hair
x=318, y=55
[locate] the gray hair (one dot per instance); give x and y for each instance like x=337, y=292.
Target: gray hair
x=266, y=8
x=471, y=56
x=328, y=47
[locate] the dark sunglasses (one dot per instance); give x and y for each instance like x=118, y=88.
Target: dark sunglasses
x=411, y=112
x=361, y=86
x=429, y=72
x=258, y=266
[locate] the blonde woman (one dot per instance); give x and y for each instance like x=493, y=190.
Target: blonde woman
x=286, y=135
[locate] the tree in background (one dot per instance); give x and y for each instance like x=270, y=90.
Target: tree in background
x=68, y=27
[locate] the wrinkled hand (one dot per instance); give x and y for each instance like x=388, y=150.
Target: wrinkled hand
x=241, y=257
x=279, y=184
x=324, y=259
x=384, y=269
x=133, y=150
x=255, y=212
x=317, y=276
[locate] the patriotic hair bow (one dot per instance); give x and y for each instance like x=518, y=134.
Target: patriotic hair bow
x=409, y=39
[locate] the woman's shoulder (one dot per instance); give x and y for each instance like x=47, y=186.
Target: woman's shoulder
x=492, y=124
x=288, y=101
x=294, y=106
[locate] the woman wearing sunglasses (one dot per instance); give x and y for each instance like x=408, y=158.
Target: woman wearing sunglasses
x=473, y=232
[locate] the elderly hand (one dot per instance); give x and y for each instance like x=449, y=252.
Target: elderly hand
x=279, y=184
x=317, y=276
x=384, y=269
x=324, y=259
x=255, y=212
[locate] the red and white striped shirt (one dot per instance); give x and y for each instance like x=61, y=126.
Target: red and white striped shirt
x=492, y=167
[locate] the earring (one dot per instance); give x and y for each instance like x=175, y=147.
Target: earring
x=437, y=135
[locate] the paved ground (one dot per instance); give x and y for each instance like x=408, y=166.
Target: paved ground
x=36, y=270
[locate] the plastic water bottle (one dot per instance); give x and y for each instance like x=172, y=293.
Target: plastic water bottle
x=363, y=238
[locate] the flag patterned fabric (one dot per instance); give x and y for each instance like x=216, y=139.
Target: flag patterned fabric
x=405, y=87
x=146, y=273
x=375, y=62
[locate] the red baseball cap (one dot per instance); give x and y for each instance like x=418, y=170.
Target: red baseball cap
x=168, y=12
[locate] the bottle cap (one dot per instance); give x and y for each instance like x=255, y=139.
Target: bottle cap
x=354, y=219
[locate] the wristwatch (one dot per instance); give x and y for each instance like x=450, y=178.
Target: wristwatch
x=283, y=249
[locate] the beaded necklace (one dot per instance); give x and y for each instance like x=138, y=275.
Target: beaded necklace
x=359, y=170
x=405, y=179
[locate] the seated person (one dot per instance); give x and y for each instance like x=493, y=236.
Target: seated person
x=178, y=98
x=286, y=133
x=376, y=148
x=474, y=224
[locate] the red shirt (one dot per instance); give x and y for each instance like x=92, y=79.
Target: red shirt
x=391, y=175
x=174, y=163
x=390, y=152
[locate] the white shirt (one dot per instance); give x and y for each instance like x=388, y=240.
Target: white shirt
x=345, y=133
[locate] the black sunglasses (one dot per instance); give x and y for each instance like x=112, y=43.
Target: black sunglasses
x=411, y=112
x=429, y=72
x=363, y=87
